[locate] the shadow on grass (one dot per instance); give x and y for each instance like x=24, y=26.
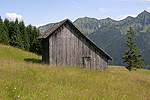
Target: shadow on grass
x=33, y=60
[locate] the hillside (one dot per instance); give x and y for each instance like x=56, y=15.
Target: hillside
x=22, y=76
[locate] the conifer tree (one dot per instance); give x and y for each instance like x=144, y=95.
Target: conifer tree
x=35, y=44
x=29, y=32
x=3, y=35
x=24, y=36
x=16, y=38
x=11, y=31
x=6, y=25
x=4, y=38
x=26, y=41
x=38, y=43
x=131, y=58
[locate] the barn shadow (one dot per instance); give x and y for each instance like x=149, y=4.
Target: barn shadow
x=33, y=60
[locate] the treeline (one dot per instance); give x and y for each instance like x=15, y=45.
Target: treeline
x=16, y=34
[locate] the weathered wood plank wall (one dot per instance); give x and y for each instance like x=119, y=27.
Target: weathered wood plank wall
x=68, y=47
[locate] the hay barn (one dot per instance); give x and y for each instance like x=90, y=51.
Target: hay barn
x=64, y=44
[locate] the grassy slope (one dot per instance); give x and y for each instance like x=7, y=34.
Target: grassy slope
x=22, y=79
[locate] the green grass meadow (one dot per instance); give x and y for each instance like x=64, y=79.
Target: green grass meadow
x=24, y=77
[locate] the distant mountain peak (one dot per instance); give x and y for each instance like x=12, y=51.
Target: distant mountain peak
x=143, y=18
x=108, y=18
x=129, y=17
x=144, y=13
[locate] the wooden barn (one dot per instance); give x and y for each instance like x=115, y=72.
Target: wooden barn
x=64, y=44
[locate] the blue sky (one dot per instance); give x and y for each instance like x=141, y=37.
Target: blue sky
x=40, y=12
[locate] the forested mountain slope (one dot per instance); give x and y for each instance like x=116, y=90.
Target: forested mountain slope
x=112, y=38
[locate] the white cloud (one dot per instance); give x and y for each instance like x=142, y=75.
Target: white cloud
x=102, y=10
x=148, y=8
x=12, y=16
x=120, y=17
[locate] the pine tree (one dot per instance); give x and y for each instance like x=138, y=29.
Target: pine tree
x=6, y=25
x=16, y=38
x=11, y=31
x=35, y=44
x=26, y=41
x=3, y=35
x=4, y=38
x=131, y=58
x=29, y=32
x=33, y=41
x=38, y=43
x=24, y=36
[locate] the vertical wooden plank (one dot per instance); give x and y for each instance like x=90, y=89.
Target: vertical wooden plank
x=85, y=49
x=92, y=60
x=80, y=52
x=63, y=46
x=94, y=56
x=68, y=45
x=91, y=52
x=71, y=48
x=99, y=55
x=102, y=62
x=50, y=51
x=53, y=50
x=75, y=46
x=105, y=65
x=76, y=50
x=98, y=61
x=58, y=48
x=73, y=34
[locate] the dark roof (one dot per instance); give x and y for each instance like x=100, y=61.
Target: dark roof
x=52, y=29
x=57, y=25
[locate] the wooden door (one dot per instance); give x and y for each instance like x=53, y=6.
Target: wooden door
x=87, y=62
